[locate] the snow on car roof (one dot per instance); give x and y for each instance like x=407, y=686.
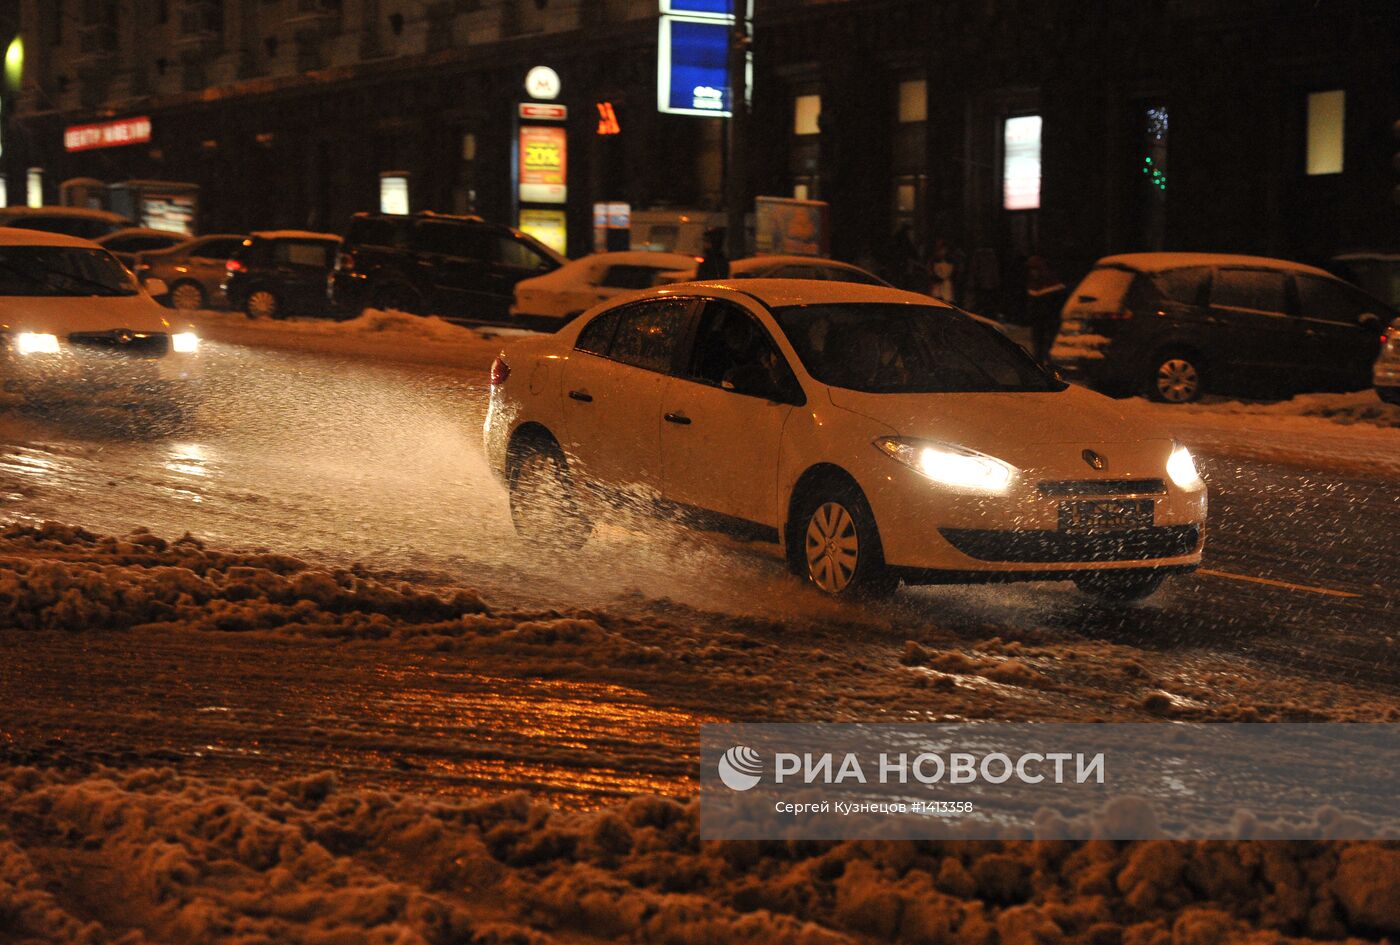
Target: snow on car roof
x=16, y=236
x=782, y=292
x=140, y=231
x=294, y=235
x=85, y=213
x=1157, y=262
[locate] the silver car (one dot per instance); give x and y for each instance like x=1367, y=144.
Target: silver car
x=193, y=270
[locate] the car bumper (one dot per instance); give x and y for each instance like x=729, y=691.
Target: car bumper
x=69, y=376
x=1386, y=373
x=928, y=528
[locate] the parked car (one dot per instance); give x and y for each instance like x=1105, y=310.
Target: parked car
x=790, y=267
x=1386, y=375
x=1175, y=325
x=78, y=327
x=876, y=434
x=127, y=242
x=82, y=222
x=553, y=299
x=194, y=270
x=276, y=273
x=429, y=263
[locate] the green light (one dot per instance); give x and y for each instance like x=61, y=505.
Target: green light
x=14, y=63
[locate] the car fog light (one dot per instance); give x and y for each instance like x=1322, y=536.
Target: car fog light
x=185, y=342
x=32, y=342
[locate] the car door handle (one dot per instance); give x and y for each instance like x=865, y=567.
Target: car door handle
x=582, y=395
x=680, y=418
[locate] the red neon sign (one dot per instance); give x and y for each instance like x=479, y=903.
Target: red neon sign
x=107, y=134
x=607, y=119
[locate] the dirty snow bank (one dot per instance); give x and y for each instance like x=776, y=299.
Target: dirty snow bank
x=374, y=334
x=152, y=856
x=1357, y=407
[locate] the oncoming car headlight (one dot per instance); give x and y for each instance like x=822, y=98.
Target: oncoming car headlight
x=185, y=342
x=33, y=342
x=949, y=465
x=1182, y=468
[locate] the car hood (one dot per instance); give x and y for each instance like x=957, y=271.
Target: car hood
x=63, y=315
x=1007, y=425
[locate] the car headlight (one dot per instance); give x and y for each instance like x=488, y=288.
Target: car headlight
x=185, y=342
x=33, y=342
x=1182, y=468
x=949, y=465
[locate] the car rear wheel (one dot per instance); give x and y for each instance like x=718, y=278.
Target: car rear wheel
x=263, y=303
x=1120, y=585
x=187, y=296
x=840, y=550
x=543, y=506
x=1176, y=378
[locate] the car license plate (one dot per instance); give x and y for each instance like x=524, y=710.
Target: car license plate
x=1105, y=515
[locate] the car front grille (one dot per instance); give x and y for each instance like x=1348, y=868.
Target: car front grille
x=1103, y=487
x=121, y=342
x=1036, y=546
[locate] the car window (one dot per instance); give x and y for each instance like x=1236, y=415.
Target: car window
x=842, y=274
x=1102, y=290
x=798, y=272
x=1333, y=301
x=597, y=334
x=1186, y=285
x=303, y=253
x=135, y=244
x=515, y=254
x=379, y=231
x=216, y=249
x=447, y=239
x=662, y=237
x=629, y=277
x=733, y=351
x=907, y=349
x=61, y=271
x=647, y=333
x=1259, y=290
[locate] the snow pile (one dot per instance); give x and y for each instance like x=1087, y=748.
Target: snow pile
x=1359, y=407
x=151, y=856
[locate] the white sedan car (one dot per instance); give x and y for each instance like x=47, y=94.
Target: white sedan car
x=76, y=326
x=876, y=434
x=553, y=299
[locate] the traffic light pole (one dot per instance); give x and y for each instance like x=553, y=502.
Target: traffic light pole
x=736, y=166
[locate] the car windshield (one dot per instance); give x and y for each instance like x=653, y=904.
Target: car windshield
x=883, y=348
x=61, y=271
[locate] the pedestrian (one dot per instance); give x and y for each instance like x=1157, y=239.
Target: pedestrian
x=715, y=265
x=1045, y=296
x=942, y=270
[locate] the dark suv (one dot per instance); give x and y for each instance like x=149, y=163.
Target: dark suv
x=277, y=273
x=1174, y=325
x=429, y=263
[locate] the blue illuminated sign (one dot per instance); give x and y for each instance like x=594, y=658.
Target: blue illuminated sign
x=692, y=69
x=722, y=9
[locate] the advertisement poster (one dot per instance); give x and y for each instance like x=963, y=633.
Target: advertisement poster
x=796, y=227
x=543, y=152
x=547, y=226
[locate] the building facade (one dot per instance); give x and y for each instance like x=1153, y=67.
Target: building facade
x=1003, y=127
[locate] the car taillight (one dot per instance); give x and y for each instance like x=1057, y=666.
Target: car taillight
x=233, y=265
x=345, y=262
x=500, y=372
x=1121, y=315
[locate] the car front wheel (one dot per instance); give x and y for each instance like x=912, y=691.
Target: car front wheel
x=840, y=551
x=1120, y=586
x=543, y=506
x=1175, y=378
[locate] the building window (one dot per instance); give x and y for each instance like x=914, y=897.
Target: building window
x=807, y=115
x=913, y=101
x=1326, y=118
x=34, y=187
x=1021, y=163
x=393, y=192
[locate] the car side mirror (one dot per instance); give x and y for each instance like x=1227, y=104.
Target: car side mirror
x=156, y=288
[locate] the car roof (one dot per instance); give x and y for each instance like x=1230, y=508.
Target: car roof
x=753, y=262
x=17, y=236
x=293, y=235
x=777, y=293
x=141, y=231
x=86, y=213
x=1159, y=262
